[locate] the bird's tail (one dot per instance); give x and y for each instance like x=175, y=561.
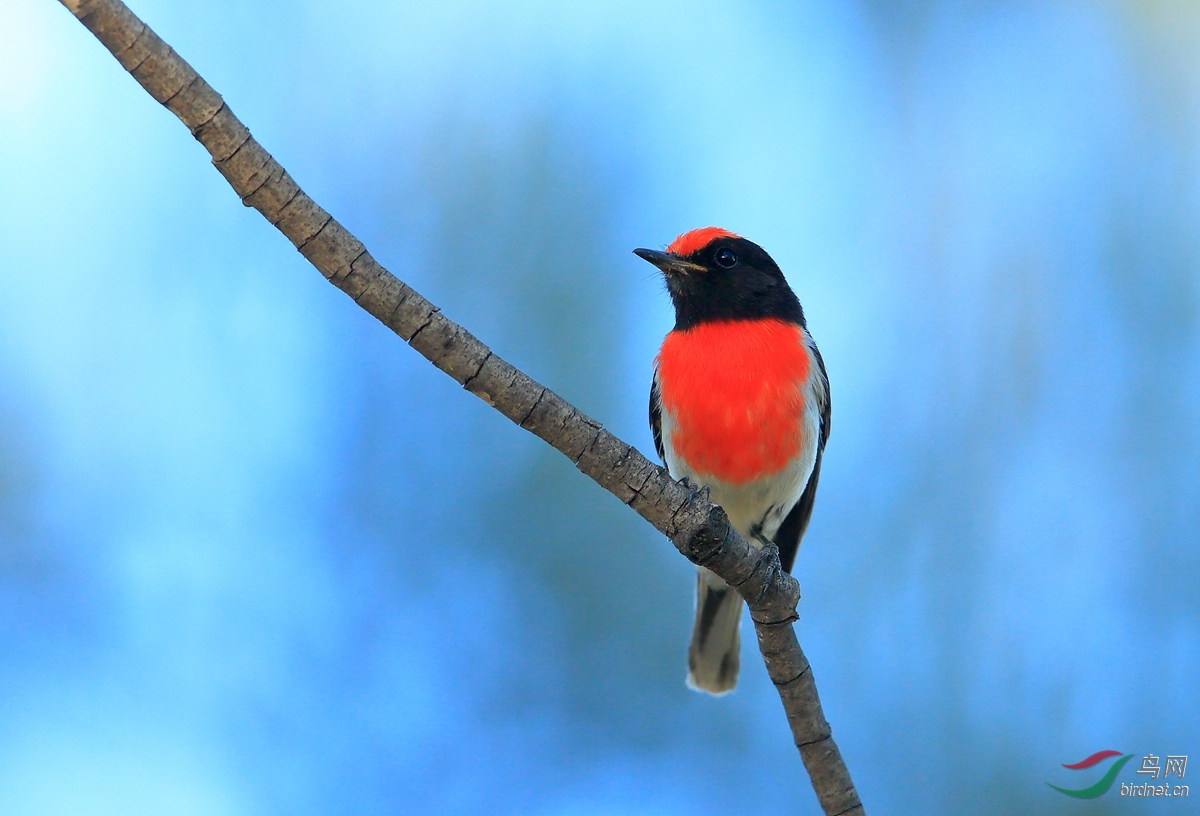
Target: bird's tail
x=713, y=654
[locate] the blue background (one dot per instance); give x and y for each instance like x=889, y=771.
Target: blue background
x=258, y=557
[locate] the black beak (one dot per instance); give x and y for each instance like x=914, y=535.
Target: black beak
x=669, y=264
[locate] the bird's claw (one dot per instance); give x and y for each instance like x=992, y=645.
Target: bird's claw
x=696, y=491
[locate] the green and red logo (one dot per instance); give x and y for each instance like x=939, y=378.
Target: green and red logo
x=1101, y=786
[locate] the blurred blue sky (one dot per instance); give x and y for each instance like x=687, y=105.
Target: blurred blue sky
x=257, y=557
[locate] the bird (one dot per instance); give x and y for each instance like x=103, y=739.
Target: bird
x=739, y=405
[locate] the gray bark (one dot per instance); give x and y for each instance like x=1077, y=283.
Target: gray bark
x=697, y=528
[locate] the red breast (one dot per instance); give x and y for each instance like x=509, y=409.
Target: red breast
x=734, y=391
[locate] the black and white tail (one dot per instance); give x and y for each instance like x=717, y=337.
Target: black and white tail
x=713, y=653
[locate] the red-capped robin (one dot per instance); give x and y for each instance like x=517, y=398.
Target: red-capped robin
x=739, y=403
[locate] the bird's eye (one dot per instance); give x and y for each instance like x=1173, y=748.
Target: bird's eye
x=726, y=257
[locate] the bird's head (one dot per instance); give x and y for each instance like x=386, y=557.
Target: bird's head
x=713, y=274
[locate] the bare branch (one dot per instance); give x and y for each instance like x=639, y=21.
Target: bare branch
x=698, y=528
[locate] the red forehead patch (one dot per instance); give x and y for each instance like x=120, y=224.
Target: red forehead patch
x=697, y=240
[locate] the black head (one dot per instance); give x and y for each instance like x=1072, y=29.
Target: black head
x=713, y=274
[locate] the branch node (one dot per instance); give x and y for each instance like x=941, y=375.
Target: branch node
x=471, y=379
x=533, y=407
x=424, y=325
x=820, y=739
x=328, y=218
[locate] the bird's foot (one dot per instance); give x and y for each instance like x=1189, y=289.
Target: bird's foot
x=696, y=491
x=765, y=545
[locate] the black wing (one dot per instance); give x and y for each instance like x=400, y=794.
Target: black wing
x=656, y=417
x=787, y=538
